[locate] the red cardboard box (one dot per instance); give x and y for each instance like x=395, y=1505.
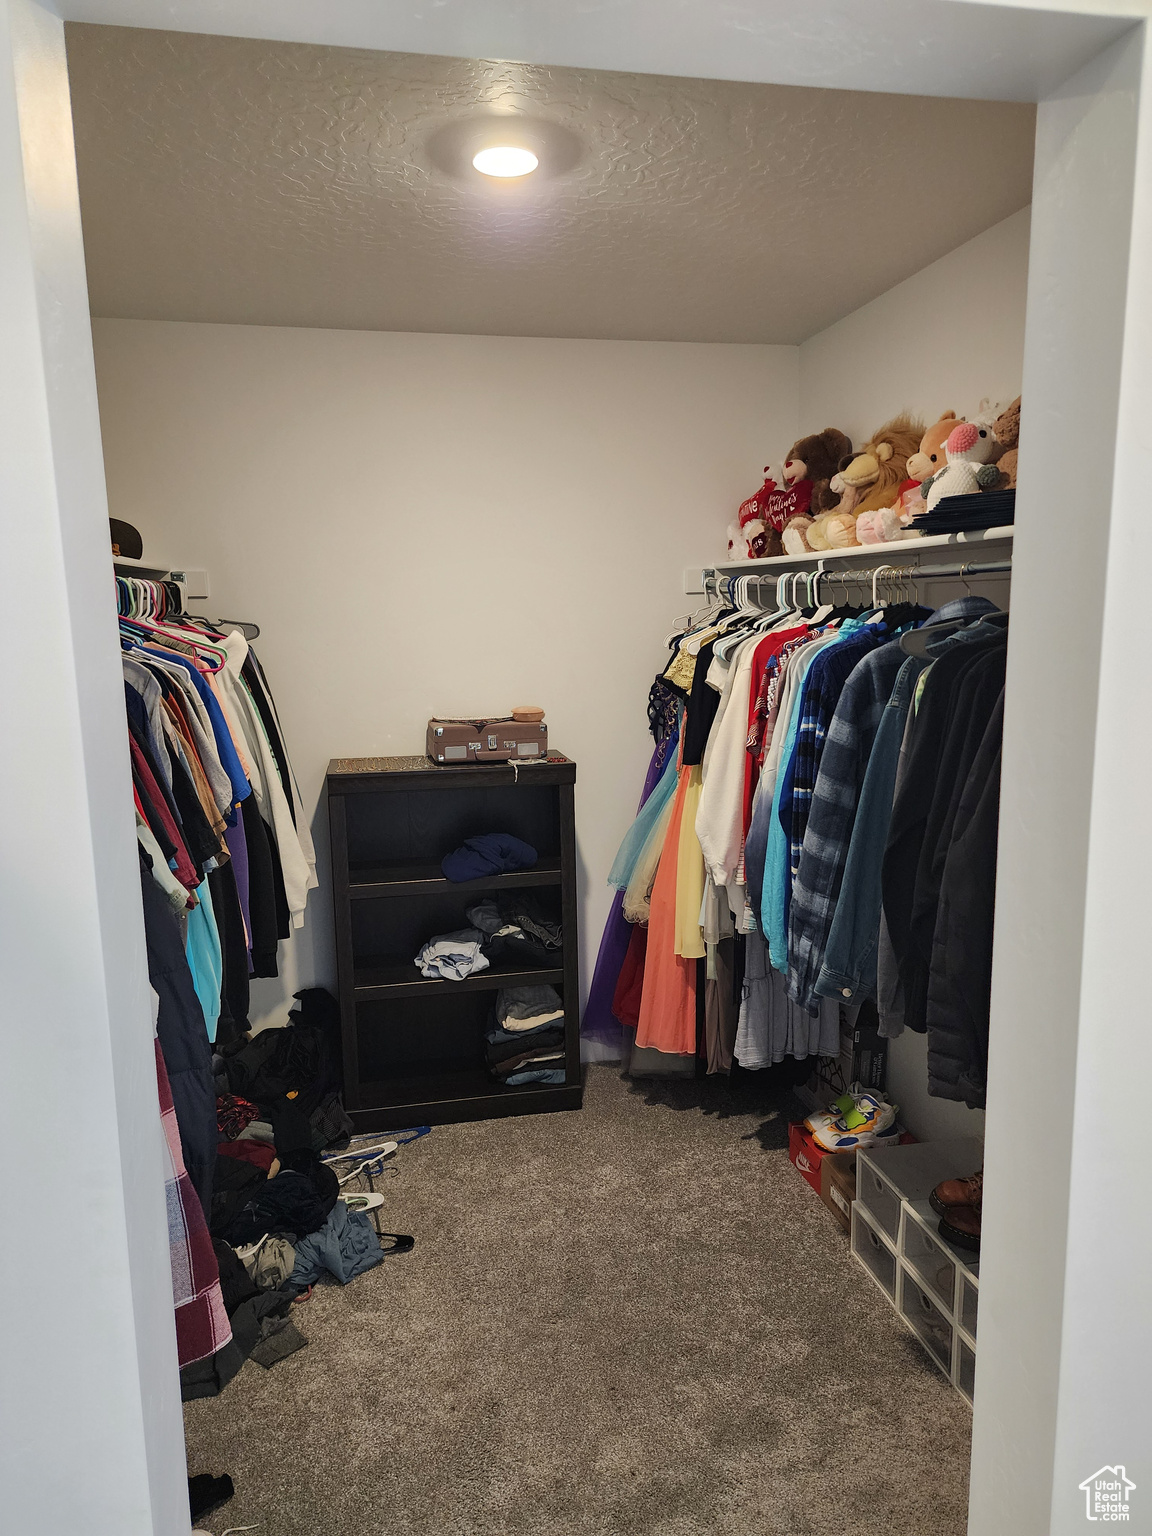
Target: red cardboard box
x=805, y=1154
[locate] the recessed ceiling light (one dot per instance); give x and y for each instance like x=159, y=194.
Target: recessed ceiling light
x=505, y=160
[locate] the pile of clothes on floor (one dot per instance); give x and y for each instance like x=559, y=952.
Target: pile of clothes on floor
x=511, y=929
x=525, y=1043
x=275, y=1216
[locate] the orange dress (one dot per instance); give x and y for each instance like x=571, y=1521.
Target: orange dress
x=668, y=1003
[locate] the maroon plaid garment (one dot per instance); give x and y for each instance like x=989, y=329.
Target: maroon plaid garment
x=202, y=1325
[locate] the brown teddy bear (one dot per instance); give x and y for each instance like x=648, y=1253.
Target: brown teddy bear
x=810, y=465
x=1007, y=430
x=929, y=457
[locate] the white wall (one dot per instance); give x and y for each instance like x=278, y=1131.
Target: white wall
x=1065, y=1326
x=427, y=524
x=940, y=340
x=91, y=1435
x=944, y=339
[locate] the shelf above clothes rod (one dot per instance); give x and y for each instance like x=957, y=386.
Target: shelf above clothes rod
x=194, y=581
x=897, y=553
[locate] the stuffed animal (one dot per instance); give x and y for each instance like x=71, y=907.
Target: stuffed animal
x=738, y=540
x=751, y=537
x=929, y=457
x=890, y=525
x=838, y=526
x=874, y=477
x=1007, y=430
x=795, y=536
x=810, y=465
x=815, y=535
x=968, y=449
x=882, y=464
x=854, y=481
x=816, y=532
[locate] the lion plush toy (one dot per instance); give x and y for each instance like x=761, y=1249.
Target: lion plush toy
x=871, y=480
x=889, y=451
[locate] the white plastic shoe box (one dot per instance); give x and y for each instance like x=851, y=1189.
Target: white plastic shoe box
x=933, y=1285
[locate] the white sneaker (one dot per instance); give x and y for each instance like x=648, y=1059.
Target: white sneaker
x=821, y=1119
x=870, y=1120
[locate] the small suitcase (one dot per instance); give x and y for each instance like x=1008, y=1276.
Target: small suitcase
x=486, y=741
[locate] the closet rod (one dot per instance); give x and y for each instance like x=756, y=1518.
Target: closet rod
x=865, y=573
x=860, y=575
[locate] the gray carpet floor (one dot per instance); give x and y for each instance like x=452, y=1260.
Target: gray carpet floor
x=635, y=1320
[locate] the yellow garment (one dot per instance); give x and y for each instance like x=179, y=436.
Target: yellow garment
x=689, y=942
x=681, y=670
x=638, y=896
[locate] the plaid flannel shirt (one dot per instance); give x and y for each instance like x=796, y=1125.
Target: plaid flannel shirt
x=202, y=1325
x=822, y=689
x=831, y=813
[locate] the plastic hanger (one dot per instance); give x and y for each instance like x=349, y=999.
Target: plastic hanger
x=772, y=618
x=825, y=611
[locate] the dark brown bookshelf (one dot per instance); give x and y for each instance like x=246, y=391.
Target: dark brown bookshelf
x=413, y=1046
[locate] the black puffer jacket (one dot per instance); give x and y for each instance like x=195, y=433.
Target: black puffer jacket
x=960, y=987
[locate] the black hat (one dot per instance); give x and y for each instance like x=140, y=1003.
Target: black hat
x=126, y=540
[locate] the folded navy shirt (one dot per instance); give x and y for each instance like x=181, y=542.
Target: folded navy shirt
x=492, y=853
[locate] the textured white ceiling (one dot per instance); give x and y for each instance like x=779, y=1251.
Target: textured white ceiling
x=225, y=179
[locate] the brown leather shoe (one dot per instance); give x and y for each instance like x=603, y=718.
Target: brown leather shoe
x=969, y=1191
x=962, y=1227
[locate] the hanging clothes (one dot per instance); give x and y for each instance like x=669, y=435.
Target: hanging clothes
x=667, y=1019
x=202, y=1326
x=218, y=808
x=182, y=1036
x=600, y=1022
x=960, y=976
x=860, y=703
x=826, y=836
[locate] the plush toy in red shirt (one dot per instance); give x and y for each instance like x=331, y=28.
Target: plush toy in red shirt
x=750, y=537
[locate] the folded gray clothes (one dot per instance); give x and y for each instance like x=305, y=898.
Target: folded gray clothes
x=500, y=1044
x=269, y=1262
x=452, y=956
x=520, y=1008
